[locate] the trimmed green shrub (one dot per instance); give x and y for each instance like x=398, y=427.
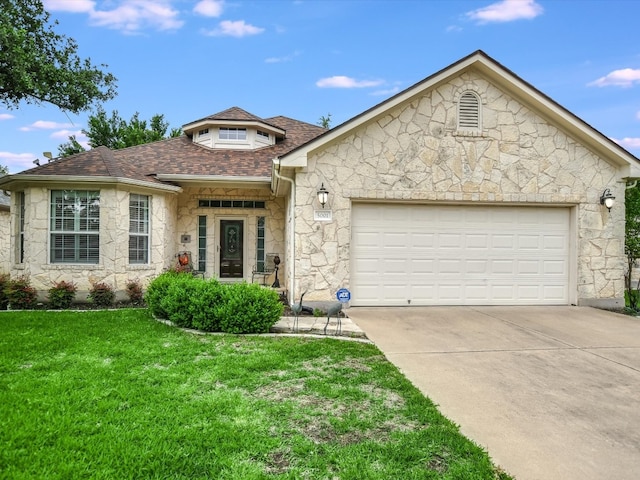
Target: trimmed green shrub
x=206, y=305
x=102, y=294
x=20, y=294
x=212, y=306
x=178, y=298
x=61, y=295
x=249, y=308
x=134, y=292
x=157, y=290
x=4, y=281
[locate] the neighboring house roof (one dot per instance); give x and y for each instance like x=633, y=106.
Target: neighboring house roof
x=5, y=200
x=174, y=159
x=503, y=78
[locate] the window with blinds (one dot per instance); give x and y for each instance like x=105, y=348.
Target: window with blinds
x=138, y=229
x=469, y=112
x=75, y=226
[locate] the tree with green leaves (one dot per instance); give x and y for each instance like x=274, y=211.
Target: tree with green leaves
x=38, y=65
x=632, y=242
x=325, y=122
x=114, y=132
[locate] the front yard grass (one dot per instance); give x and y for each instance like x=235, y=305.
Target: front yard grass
x=117, y=395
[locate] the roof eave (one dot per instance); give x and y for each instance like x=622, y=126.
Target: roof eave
x=13, y=182
x=192, y=127
x=182, y=179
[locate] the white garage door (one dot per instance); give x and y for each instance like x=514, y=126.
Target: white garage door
x=459, y=255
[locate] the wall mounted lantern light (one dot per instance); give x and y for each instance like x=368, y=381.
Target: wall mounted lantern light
x=607, y=199
x=323, y=195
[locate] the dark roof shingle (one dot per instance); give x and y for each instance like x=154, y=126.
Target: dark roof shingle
x=180, y=156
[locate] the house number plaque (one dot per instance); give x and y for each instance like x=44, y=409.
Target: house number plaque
x=322, y=215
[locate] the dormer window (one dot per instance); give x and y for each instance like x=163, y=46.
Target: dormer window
x=263, y=135
x=231, y=133
x=204, y=131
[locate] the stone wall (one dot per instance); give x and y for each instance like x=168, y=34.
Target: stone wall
x=172, y=215
x=416, y=153
x=187, y=224
x=5, y=239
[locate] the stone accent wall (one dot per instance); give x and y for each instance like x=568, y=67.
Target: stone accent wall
x=5, y=239
x=187, y=223
x=415, y=153
x=113, y=267
x=171, y=216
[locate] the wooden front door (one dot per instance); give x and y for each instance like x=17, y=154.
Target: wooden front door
x=231, y=248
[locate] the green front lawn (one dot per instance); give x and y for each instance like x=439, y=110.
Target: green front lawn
x=117, y=395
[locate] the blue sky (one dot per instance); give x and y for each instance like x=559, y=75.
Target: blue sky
x=305, y=59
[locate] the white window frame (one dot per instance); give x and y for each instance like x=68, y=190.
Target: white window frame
x=74, y=224
x=235, y=134
x=139, y=228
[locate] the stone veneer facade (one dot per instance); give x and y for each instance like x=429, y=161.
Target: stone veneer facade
x=5, y=234
x=415, y=153
x=172, y=215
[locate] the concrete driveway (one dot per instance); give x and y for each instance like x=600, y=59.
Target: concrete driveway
x=550, y=392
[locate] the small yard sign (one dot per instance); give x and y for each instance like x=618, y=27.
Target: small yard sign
x=343, y=295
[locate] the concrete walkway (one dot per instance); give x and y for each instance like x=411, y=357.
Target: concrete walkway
x=550, y=392
x=308, y=325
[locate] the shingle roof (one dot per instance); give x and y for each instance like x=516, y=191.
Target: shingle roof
x=180, y=156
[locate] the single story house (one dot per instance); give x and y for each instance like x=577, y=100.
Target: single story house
x=470, y=187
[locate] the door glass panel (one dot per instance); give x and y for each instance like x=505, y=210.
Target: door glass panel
x=231, y=248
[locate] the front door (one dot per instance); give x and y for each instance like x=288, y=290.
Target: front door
x=231, y=248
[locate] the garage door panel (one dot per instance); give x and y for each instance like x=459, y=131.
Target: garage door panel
x=479, y=241
x=459, y=255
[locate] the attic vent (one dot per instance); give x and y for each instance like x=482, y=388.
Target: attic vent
x=469, y=112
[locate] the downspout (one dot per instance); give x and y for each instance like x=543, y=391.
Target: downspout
x=292, y=233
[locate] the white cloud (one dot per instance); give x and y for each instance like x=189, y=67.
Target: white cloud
x=340, y=81
x=6, y=116
x=129, y=16
x=65, y=134
x=45, y=125
x=506, y=11
x=16, y=162
x=625, y=77
x=387, y=92
x=238, y=29
x=134, y=15
x=209, y=8
x=286, y=58
x=74, y=6
x=628, y=143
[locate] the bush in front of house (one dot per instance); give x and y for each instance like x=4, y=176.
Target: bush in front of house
x=134, y=292
x=212, y=306
x=156, y=291
x=62, y=294
x=4, y=281
x=249, y=308
x=206, y=307
x=102, y=294
x=177, y=299
x=20, y=294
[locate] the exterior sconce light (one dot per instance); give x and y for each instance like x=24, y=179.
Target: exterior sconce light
x=323, y=195
x=607, y=199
